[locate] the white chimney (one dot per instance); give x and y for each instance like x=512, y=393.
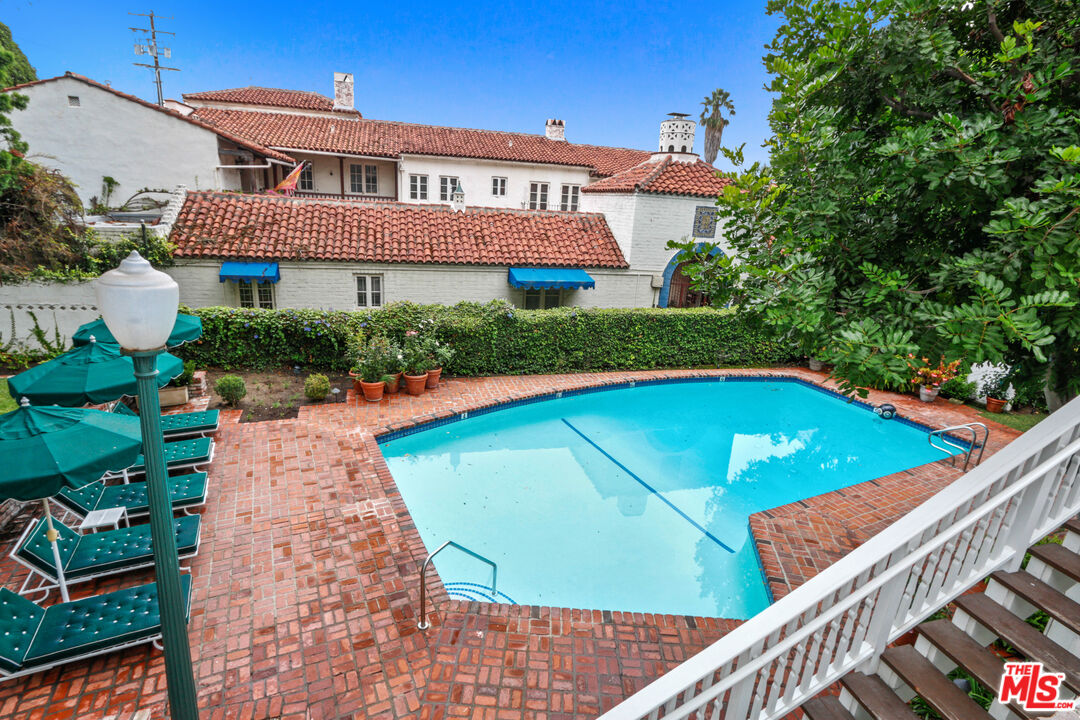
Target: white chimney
x=343, y=91
x=457, y=199
x=677, y=138
x=555, y=129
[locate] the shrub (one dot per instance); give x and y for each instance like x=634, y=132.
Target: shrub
x=231, y=388
x=490, y=339
x=184, y=378
x=316, y=386
x=959, y=388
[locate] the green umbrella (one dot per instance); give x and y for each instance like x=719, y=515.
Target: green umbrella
x=186, y=329
x=46, y=449
x=93, y=373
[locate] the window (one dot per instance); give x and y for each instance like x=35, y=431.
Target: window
x=256, y=294
x=538, y=196
x=541, y=299
x=418, y=187
x=369, y=290
x=73, y=101
x=371, y=179
x=570, y=196
x=307, y=178
x=356, y=178
x=446, y=187
x=498, y=186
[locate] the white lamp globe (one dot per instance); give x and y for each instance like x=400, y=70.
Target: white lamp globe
x=138, y=304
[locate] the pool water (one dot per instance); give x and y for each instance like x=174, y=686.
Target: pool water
x=636, y=499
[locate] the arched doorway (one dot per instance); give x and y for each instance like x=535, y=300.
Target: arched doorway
x=680, y=295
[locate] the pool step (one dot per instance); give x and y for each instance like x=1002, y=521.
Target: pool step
x=474, y=592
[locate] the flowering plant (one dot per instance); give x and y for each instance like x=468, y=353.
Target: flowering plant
x=378, y=357
x=928, y=375
x=417, y=356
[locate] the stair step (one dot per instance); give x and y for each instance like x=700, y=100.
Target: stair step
x=947, y=700
x=876, y=697
x=1063, y=609
x=1073, y=525
x=1030, y=642
x=825, y=707
x=965, y=652
x=1058, y=557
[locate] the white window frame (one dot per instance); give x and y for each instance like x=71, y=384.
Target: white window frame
x=306, y=181
x=447, y=183
x=538, y=195
x=571, y=198
x=418, y=187
x=259, y=294
x=356, y=178
x=544, y=296
x=370, y=291
x=371, y=179
x=498, y=186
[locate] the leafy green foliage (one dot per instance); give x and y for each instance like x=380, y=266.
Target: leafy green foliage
x=18, y=352
x=80, y=255
x=316, y=386
x=19, y=70
x=231, y=388
x=959, y=389
x=493, y=338
x=7, y=403
x=923, y=193
x=184, y=379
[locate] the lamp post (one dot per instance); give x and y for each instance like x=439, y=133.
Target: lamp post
x=139, y=304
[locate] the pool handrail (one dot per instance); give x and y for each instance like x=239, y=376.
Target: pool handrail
x=424, y=624
x=942, y=434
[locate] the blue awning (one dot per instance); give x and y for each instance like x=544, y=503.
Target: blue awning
x=245, y=271
x=534, y=278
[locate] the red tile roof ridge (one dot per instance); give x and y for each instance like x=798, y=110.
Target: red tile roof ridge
x=250, y=144
x=203, y=93
x=669, y=177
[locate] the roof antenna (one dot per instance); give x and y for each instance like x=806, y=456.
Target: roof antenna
x=149, y=46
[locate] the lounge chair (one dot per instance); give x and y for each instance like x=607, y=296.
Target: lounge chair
x=34, y=639
x=179, y=455
x=86, y=557
x=186, y=491
x=180, y=425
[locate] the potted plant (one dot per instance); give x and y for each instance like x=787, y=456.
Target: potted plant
x=929, y=377
x=439, y=355
x=995, y=386
x=394, y=369
x=416, y=363
x=176, y=392
x=370, y=368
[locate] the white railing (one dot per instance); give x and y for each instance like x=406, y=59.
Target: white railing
x=843, y=618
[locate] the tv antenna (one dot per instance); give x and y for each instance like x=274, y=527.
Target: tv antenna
x=149, y=46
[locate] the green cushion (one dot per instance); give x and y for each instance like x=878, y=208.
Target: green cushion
x=83, y=500
x=19, y=620
x=99, y=622
x=189, y=422
x=181, y=452
x=184, y=490
x=100, y=552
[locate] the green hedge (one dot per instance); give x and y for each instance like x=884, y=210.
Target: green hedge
x=490, y=339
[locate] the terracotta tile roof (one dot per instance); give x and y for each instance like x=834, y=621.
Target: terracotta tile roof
x=268, y=97
x=664, y=177
x=223, y=132
x=265, y=227
x=382, y=138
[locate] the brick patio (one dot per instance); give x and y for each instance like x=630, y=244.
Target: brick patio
x=305, y=589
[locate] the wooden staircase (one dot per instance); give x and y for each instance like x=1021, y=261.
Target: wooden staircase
x=1050, y=584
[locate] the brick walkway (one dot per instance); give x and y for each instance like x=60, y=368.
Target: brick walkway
x=305, y=589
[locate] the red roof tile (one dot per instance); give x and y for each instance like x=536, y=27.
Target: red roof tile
x=382, y=138
x=664, y=177
x=223, y=132
x=268, y=97
x=265, y=227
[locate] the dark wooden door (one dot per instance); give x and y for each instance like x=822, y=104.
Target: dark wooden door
x=679, y=293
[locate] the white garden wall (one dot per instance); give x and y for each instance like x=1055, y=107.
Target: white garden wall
x=57, y=305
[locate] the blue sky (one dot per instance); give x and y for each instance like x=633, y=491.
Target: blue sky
x=611, y=72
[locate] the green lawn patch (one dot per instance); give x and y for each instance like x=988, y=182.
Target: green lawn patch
x=1017, y=421
x=6, y=403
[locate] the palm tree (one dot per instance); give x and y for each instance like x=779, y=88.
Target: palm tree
x=714, y=121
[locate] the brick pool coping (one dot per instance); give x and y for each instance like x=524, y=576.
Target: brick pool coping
x=305, y=591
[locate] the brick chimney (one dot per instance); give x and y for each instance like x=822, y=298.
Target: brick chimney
x=555, y=130
x=343, y=91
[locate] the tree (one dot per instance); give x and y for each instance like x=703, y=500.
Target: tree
x=713, y=120
x=20, y=71
x=923, y=193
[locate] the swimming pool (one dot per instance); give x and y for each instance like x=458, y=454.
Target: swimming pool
x=637, y=498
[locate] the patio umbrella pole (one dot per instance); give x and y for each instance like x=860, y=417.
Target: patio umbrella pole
x=52, y=537
x=183, y=703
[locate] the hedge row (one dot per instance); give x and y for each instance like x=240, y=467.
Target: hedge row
x=490, y=339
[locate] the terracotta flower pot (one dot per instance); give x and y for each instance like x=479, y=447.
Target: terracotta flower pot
x=928, y=393
x=392, y=387
x=994, y=405
x=356, y=382
x=415, y=384
x=433, y=378
x=373, y=392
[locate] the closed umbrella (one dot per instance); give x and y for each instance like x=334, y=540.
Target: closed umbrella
x=93, y=373
x=46, y=449
x=186, y=329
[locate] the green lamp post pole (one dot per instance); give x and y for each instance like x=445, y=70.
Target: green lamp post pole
x=183, y=703
x=138, y=305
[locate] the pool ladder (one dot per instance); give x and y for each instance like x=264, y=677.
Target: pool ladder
x=424, y=624
x=947, y=442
